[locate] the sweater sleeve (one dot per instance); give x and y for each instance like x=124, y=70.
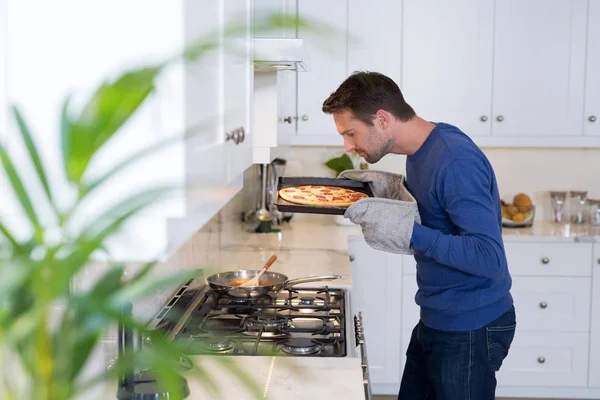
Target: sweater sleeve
x=464, y=191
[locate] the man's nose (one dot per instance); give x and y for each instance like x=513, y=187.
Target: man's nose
x=348, y=146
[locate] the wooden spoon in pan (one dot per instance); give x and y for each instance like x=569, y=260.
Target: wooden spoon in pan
x=255, y=281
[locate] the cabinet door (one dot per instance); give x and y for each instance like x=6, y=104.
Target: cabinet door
x=237, y=86
x=327, y=69
x=592, y=83
x=376, y=278
x=539, y=66
x=286, y=80
x=375, y=46
x=594, y=377
x=206, y=156
x=447, y=61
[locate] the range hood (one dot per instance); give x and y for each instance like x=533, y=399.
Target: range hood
x=279, y=54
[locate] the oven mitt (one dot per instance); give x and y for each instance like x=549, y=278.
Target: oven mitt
x=387, y=219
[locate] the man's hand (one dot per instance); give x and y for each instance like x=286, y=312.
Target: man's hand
x=386, y=220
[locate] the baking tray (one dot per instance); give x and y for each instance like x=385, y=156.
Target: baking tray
x=286, y=206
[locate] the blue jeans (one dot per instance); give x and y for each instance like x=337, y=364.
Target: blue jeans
x=444, y=365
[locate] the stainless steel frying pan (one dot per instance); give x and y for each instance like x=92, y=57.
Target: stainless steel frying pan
x=270, y=282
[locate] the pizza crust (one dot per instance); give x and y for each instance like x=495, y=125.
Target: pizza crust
x=323, y=196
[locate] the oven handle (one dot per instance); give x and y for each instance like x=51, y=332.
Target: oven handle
x=360, y=342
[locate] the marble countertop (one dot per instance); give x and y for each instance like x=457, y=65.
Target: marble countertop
x=550, y=231
x=313, y=245
x=274, y=378
x=299, y=378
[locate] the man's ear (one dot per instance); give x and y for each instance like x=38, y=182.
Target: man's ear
x=382, y=119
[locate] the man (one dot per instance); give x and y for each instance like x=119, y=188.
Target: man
x=447, y=213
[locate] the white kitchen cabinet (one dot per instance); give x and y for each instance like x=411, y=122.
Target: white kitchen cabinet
x=272, y=138
x=78, y=50
x=556, y=350
x=378, y=297
x=539, y=68
x=594, y=375
x=551, y=359
x=447, y=61
x=238, y=69
x=327, y=62
x=375, y=46
x=592, y=84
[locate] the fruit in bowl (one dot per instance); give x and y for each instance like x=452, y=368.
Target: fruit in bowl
x=518, y=213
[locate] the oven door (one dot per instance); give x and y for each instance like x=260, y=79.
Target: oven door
x=362, y=346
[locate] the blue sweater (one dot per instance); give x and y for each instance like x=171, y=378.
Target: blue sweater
x=462, y=273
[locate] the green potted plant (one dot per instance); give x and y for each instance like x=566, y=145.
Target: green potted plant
x=342, y=163
x=48, y=331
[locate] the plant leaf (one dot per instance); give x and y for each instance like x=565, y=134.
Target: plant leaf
x=93, y=236
x=81, y=330
x=33, y=153
x=340, y=164
x=6, y=233
x=20, y=192
x=109, y=108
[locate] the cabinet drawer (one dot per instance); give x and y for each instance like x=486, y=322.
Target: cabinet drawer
x=549, y=258
x=541, y=304
x=546, y=359
x=552, y=304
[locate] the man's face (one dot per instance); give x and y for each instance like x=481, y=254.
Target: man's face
x=370, y=142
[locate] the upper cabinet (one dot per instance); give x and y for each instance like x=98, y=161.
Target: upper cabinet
x=539, y=68
x=327, y=63
x=375, y=46
x=237, y=89
x=447, y=61
x=592, y=84
x=508, y=73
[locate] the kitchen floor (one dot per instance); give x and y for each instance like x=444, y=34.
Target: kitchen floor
x=396, y=397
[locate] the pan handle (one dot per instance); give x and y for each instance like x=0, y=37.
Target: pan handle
x=292, y=282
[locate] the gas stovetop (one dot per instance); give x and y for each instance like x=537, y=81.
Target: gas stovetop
x=294, y=322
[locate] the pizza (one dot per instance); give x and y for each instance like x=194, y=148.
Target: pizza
x=319, y=195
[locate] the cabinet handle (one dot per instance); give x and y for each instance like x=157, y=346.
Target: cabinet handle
x=483, y=118
x=541, y=360
x=499, y=118
x=351, y=257
x=288, y=120
x=305, y=117
x=543, y=304
x=237, y=135
x=592, y=118
x=545, y=260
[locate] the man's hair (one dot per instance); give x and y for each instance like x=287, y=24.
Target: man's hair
x=363, y=93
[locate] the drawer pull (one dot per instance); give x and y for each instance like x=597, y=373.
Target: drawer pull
x=543, y=304
x=545, y=260
x=541, y=360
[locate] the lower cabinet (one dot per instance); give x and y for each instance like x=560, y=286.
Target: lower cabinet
x=556, y=349
x=594, y=375
x=377, y=293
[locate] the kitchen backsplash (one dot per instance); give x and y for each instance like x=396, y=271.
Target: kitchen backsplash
x=531, y=171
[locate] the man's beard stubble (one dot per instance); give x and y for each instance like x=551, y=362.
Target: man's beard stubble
x=383, y=148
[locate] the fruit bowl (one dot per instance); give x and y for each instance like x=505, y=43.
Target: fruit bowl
x=518, y=214
x=526, y=222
